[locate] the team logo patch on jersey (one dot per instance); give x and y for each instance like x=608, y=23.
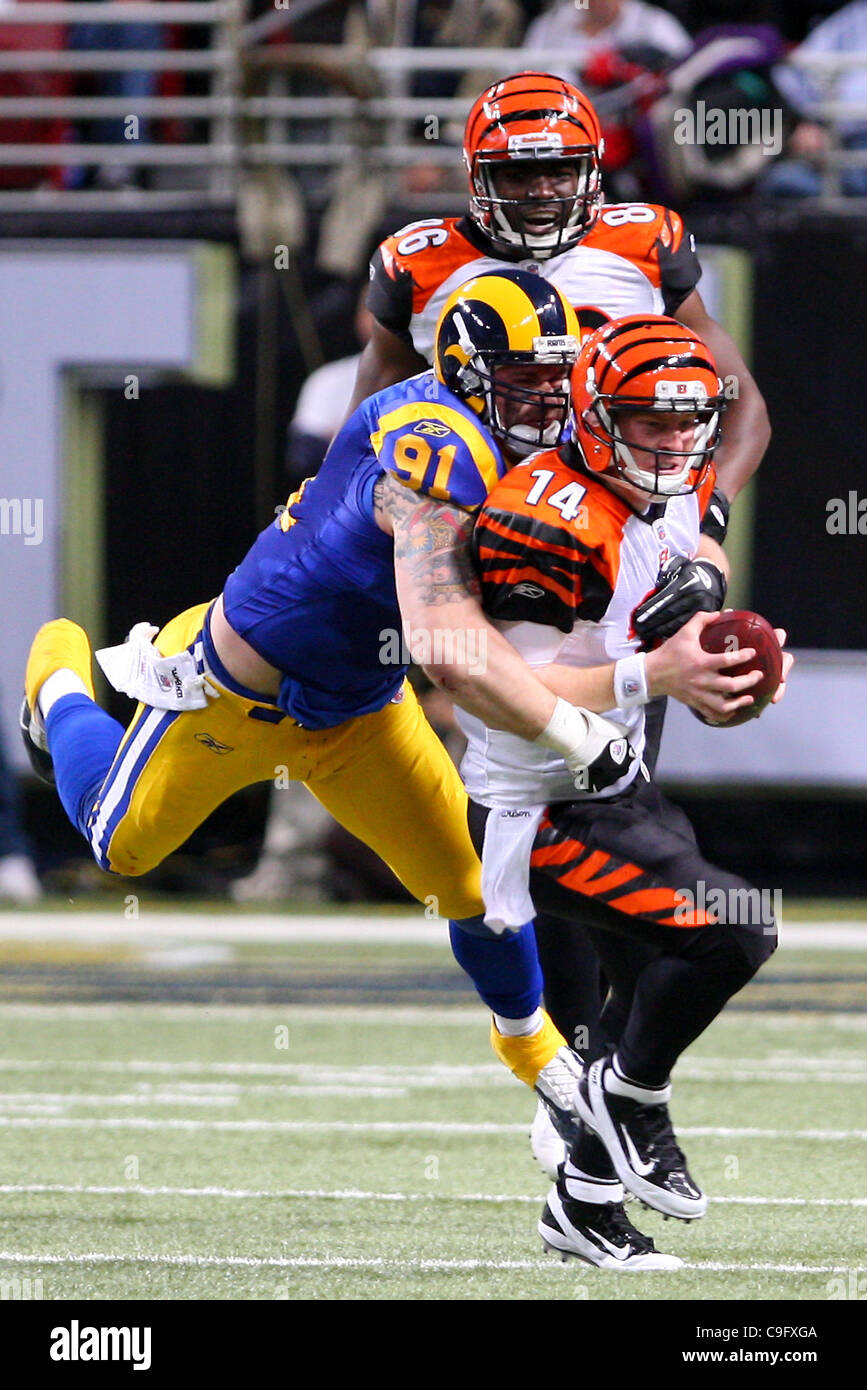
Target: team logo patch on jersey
x=213, y=743
x=431, y=427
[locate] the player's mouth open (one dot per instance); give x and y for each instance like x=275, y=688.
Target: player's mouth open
x=542, y=217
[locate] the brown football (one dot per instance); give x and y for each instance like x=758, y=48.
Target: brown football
x=737, y=629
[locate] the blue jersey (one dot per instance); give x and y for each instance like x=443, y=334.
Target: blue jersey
x=315, y=595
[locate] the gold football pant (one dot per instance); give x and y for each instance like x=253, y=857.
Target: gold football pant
x=385, y=777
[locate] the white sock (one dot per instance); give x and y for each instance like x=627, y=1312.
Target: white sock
x=519, y=1027
x=585, y=1188
x=59, y=683
x=619, y=1085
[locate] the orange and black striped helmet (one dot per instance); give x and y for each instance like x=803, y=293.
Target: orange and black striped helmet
x=646, y=363
x=533, y=116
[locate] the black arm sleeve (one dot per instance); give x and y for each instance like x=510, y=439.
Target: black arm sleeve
x=715, y=521
x=390, y=300
x=680, y=271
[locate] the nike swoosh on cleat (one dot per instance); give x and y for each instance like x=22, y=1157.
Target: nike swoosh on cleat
x=636, y=1164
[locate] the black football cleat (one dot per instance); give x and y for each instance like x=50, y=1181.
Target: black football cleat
x=599, y=1233
x=642, y=1146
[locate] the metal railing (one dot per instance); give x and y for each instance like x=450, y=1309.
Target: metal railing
x=305, y=108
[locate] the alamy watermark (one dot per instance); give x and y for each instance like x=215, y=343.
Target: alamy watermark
x=711, y=125
x=20, y=1290
x=847, y=516
x=741, y=907
x=440, y=646
x=22, y=516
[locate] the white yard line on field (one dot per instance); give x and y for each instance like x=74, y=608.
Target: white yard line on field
x=384, y=1074
x=353, y=1195
x=374, y=1016
x=346, y=928
x=385, y=1265
x=385, y=1127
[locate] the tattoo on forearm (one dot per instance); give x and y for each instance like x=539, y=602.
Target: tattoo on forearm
x=432, y=539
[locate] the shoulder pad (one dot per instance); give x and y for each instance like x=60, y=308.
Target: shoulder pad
x=438, y=451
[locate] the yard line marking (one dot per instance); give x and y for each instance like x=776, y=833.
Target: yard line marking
x=436, y=1074
x=409, y=928
x=388, y=1127
x=375, y=1015
x=9, y=1099
x=358, y=1195
x=344, y=1262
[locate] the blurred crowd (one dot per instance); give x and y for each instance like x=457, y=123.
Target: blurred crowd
x=632, y=57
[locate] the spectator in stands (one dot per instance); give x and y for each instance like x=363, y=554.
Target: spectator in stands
x=799, y=175
x=131, y=85
x=580, y=31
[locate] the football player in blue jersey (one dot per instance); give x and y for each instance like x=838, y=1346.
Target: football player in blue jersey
x=299, y=665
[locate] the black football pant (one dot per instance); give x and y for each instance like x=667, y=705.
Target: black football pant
x=676, y=936
x=575, y=987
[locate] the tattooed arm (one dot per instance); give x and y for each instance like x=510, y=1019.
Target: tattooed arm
x=447, y=631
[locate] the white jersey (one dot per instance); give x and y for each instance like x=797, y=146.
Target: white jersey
x=636, y=258
x=565, y=590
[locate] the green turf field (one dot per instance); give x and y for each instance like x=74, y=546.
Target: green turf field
x=171, y=1130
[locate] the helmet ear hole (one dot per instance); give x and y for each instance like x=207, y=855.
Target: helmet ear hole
x=471, y=382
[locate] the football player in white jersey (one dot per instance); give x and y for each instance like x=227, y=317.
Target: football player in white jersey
x=533, y=152
x=568, y=545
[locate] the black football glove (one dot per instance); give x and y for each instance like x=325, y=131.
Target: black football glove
x=683, y=587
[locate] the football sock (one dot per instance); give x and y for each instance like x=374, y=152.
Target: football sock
x=83, y=741
x=58, y=684
x=573, y=982
x=504, y=969
x=587, y=1187
x=519, y=1027
x=619, y=1085
x=589, y=1156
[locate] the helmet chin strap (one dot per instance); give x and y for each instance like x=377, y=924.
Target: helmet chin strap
x=658, y=485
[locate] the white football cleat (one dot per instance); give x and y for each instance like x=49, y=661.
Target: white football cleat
x=641, y=1144
x=599, y=1233
x=549, y=1149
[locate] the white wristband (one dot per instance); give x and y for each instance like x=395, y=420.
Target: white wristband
x=566, y=730
x=630, y=681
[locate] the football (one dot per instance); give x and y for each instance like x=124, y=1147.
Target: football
x=738, y=629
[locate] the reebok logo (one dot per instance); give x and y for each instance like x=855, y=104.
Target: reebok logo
x=527, y=590
x=77, y=1343
x=431, y=427
x=213, y=743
